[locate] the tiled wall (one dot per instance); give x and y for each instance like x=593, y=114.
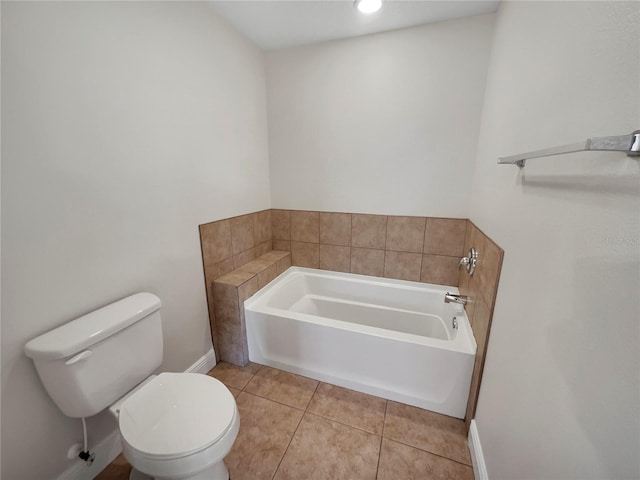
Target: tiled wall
x=230, y=291
x=481, y=288
x=228, y=244
x=422, y=249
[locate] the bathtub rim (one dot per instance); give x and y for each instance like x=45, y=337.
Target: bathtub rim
x=464, y=342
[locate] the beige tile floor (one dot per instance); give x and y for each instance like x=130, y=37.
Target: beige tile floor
x=296, y=428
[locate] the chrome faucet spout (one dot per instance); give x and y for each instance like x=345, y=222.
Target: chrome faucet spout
x=453, y=298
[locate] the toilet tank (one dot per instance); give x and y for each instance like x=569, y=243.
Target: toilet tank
x=87, y=364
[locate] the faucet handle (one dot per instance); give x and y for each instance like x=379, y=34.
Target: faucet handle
x=463, y=261
x=470, y=261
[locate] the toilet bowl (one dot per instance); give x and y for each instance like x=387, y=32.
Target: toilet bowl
x=173, y=426
x=178, y=426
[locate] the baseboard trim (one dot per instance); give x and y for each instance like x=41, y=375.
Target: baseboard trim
x=106, y=451
x=477, y=457
x=204, y=363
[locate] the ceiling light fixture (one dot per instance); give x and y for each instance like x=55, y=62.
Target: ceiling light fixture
x=368, y=6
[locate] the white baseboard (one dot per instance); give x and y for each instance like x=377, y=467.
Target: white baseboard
x=204, y=363
x=477, y=457
x=108, y=449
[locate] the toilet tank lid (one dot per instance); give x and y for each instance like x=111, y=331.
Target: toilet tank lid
x=78, y=334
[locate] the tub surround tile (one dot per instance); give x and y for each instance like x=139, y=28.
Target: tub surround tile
x=482, y=289
x=262, y=226
x=215, y=239
x=236, y=278
x=439, y=269
x=242, y=237
x=234, y=376
x=367, y=261
x=349, y=407
x=405, y=234
x=335, y=228
x=488, y=271
x=263, y=248
x=221, y=269
x=305, y=254
x=228, y=329
x=437, y=237
x=335, y=258
x=480, y=327
x=322, y=449
x=283, y=265
x=478, y=239
x=368, y=231
x=257, y=265
x=470, y=309
x=281, y=224
x=275, y=256
x=247, y=289
x=398, y=461
x=266, y=276
x=232, y=339
x=226, y=298
x=469, y=285
x=445, y=236
x=244, y=258
x=210, y=272
x=266, y=429
x=305, y=226
x=403, y=266
x=433, y=432
x=282, y=245
x=283, y=387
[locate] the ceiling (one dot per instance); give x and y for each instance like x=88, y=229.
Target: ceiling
x=273, y=24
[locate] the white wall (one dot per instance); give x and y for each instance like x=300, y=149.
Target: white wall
x=125, y=125
x=561, y=387
x=384, y=123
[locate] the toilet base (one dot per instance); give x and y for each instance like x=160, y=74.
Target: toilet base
x=217, y=471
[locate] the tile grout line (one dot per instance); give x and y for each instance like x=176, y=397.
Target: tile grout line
x=386, y=404
x=294, y=432
x=342, y=423
x=429, y=452
x=312, y=395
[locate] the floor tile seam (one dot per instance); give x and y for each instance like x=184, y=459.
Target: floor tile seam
x=274, y=401
x=306, y=408
x=428, y=451
x=342, y=423
x=287, y=372
x=386, y=403
x=288, y=445
x=384, y=422
x=245, y=385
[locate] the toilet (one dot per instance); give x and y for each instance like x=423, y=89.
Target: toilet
x=172, y=425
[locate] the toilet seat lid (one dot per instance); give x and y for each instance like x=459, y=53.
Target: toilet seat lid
x=176, y=414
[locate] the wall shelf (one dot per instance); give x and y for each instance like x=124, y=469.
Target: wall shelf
x=630, y=144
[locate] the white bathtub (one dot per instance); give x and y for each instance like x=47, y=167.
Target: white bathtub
x=389, y=338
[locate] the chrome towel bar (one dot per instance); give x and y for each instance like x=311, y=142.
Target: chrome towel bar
x=620, y=143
